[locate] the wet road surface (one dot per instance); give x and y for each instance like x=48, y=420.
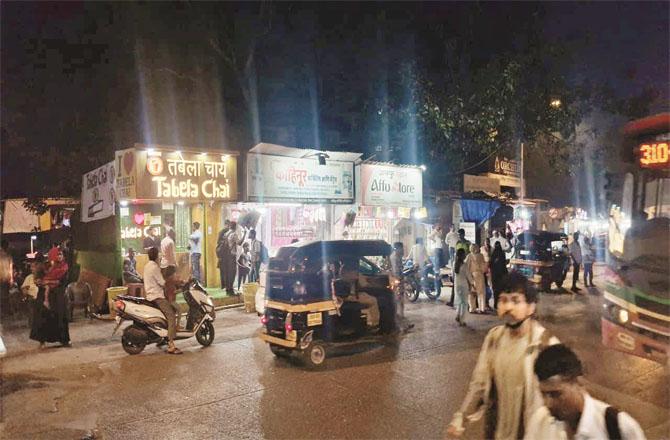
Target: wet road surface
x=238, y=389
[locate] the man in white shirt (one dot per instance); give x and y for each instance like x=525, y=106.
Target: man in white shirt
x=498, y=238
x=195, y=246
x=168, y=251
x=570, y=412
x=451, y=239
x=503, y=386
x=576, y=255
x=154, y=285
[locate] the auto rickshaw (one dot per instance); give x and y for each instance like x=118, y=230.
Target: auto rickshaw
x=541, y=256
x=310, y=297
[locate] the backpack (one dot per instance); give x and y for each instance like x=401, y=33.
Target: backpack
x=265, y=255
x=612, y=423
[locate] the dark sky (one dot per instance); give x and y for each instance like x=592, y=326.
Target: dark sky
x=97, y=76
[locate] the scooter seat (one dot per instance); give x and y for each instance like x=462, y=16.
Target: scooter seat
x=137, y=300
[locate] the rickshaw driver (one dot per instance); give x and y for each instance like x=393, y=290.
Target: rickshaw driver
x=349, y=273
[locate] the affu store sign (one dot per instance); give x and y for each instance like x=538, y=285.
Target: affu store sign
x=170, y=174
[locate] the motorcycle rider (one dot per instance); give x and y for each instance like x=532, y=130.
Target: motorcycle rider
x=154, y=285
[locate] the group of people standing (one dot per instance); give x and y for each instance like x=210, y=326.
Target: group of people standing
x=477, y=273
x=239, y=254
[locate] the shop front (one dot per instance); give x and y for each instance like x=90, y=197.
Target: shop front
x=160, y=188
x=295, y=192
x=389, y=205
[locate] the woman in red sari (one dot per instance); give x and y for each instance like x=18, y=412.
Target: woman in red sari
x=50, y=322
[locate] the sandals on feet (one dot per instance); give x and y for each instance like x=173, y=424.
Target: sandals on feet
x=174, y=351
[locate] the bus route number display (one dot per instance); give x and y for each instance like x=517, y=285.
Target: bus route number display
x=654, y=155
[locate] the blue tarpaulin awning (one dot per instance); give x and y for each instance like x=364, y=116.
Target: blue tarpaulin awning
x=478, y=211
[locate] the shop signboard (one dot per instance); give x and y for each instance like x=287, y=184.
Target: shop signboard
x=511, y=181
x=125, y=174
x=98, y=193
x=470, y=229
x=173, y=175
x=506, y=167
x=480, y=183
x=391, y=186
x=290, y=179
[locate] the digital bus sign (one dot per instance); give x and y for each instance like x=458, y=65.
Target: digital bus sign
x=654, y=155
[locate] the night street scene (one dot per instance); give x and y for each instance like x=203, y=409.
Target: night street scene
x=335, y=220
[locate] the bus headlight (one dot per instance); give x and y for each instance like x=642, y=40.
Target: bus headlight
x=622, y=315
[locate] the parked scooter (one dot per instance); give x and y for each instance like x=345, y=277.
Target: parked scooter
x=416, y=281
x=150, y=326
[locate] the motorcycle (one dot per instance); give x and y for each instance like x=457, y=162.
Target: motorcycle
x=416, y=281
x=150, y=326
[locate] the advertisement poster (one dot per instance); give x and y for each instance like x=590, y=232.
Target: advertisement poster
x=290, y=179
x=470, y=231
x=394, y=186
x=97, y=193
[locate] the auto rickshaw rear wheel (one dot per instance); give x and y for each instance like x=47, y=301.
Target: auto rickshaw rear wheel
x=314, y=355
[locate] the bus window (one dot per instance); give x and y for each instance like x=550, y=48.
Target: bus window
x=657, y=198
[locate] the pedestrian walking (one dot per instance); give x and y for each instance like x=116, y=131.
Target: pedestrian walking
x=234, y=241
x=396, y=262
x=588, y=258
x=570, y=412
x=461, y=243
x=451, y=239
x=256, y=255
x=223, y=253
x=503, y=386
x=498, y=267
x=476, y=267
x=195, y=248
x=436, y=257
x=462, y=281
x=243, y=265
x=576, y=256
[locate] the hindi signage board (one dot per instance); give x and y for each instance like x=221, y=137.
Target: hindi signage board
x=98, y=193
x=506, y=167
x=175, y=175
x=480, y=183
x=291, y=179
x=391, y=186
x=470, y=229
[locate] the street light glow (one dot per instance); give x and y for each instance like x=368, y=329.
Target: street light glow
x=555, y=103
x=423, y=167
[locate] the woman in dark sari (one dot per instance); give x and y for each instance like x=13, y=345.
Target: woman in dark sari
x=50, y=317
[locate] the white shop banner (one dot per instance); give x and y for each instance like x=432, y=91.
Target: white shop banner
x=291, y=179
x=97, y=193
x=391, y=186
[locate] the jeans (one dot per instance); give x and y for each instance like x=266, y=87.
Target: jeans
x=575, y=274
x=452, y=255
x=255, y=275
x=436, y=271
x=588, y=274
x=195, y=266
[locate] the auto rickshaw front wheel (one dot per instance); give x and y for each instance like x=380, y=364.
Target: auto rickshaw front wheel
x=314, y=355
